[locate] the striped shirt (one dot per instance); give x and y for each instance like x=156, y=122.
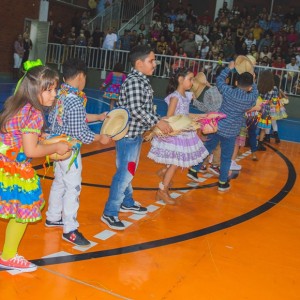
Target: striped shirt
x=73, y=119
x=136, y=95
x=235, y=103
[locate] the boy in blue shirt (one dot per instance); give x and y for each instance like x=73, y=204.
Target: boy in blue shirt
x=236, y=101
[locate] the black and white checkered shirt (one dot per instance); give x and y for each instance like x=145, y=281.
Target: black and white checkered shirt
x=136, y=96
x=73, y=120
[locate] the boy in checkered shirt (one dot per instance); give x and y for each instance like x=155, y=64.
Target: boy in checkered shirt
x=136, y=96
x=69, y=117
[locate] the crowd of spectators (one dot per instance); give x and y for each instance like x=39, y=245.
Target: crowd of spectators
x=178, y=30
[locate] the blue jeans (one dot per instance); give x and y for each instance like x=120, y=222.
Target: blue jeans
x=252, y=126
x=227, y=147
x=127, y=158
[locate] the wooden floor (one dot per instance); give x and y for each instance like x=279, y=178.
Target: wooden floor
x=242, y=244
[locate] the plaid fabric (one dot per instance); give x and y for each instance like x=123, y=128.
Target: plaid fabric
x=235, y=103
x=136, y=96
x=73, y=119
x=27, y=120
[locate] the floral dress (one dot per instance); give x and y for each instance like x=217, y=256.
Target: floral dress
x=183, y=150
x=21, y=196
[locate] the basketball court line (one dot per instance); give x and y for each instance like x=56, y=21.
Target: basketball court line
x=54, y=259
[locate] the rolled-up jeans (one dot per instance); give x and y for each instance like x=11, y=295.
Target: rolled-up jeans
x=127, y=158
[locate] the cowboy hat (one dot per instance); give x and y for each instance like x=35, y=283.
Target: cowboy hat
x=179, y=124
x=52, y=139
x=116, y=123
x=252, y=59
x=199, y=83
x=243, y=64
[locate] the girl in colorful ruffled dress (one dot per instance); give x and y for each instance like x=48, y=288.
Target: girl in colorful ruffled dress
x=277, y=112
x=113, y=83
x=183, y=150
x=267, y=93
x=21, y=124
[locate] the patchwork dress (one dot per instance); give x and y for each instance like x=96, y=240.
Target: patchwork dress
x=264, y=116
x=183, y=150
x=114, y=83
x=21, y=196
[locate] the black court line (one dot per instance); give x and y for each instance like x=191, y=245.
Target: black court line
x=203, y=186
x=291, y=179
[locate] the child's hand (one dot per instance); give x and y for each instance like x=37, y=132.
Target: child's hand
x=164, y=127
x=103, y=116
x=62, y=148
x=231, y=65
x=104, y=139
x=44, y=135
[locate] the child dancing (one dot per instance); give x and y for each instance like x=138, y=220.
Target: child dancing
x=269, y=94
x=113, y=83
x=21, y=124
x=69, y=117
x=183, y=150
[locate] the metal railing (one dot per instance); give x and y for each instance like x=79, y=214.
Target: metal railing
x=143, y=16
x=110, y=17
x=98, y=58
x=77, y=3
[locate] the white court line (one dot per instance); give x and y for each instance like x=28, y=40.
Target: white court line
x=57, y=254
x=152, y=208
x=208, y=175
x=174, y=195
x=161, y=202
x=104, y=235
x=126, y=223
x=84, y=248
x=137, y=217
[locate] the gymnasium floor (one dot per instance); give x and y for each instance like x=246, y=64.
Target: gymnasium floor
x=242, y=244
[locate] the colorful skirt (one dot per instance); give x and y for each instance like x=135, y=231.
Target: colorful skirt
x=277, y=110
x=184, y=150
x=112, y=92
x=111, y=96
x=21, y=196
x=264, y=118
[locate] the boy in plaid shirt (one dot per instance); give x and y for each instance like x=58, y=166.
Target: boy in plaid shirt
x=69, y=117
x=136, y=96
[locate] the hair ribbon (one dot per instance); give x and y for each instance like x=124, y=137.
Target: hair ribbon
x=28, y=65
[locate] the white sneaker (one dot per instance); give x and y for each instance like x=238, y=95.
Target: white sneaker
x=234, y=166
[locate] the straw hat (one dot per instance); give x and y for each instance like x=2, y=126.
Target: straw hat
x=199, y=83
x=252, y=59
x=116, y=123
x=179, y=124
x=73, y=143
x=243, y=64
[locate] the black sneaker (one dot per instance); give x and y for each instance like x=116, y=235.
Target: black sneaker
x=112, y=222
x=214, y=170
x=193, y=175
x=261, y=147
x=59, y=223
x=267, y=138
x=76, y=238
x=222, y=187
x=135, y=208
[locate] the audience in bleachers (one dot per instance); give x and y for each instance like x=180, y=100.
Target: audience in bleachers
x=272, y=40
